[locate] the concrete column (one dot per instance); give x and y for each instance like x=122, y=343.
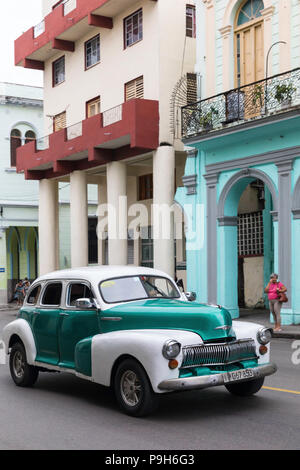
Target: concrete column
x=163, y=200
x=48, y=226
x=117, y=213
x=102, y=201
x=79, y=219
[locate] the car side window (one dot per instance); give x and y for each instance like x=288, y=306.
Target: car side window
x=52, y=294
x=78, y=291
x=33, y=295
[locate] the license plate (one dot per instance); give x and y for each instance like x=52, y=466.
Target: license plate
x=237, y=375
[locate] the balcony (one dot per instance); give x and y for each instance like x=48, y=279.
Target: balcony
x=61, y=28
x=124, y=131
x=242, y=107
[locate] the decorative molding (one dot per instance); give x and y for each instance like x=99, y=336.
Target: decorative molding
x=225, y=31
x=190, y=182
x=193, y=153
x=285, y=167
x=279, y=157
x=296, y=214
x=208, y=3
x=211, y=180
x=267, y=13
x=274, y=215
x=227, y=221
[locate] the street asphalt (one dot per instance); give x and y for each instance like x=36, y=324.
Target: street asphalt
x=64, y=412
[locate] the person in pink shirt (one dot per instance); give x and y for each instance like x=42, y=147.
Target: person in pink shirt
x=273, y=289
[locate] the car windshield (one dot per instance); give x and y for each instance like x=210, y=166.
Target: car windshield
x=124, y=289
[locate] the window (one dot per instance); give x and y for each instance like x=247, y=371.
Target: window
x=78, y=291
x=191, y=21
x=29, y=137
x=59, y=122
x=33, y=295
x=15, y=142
x=133, y=28
x=125, y=289
x=92, y=52
x=147, y=247
x=251, y=234
x=93, y=107
x=52, y=294
x=134, y=89
x=145, y=187
x=59, y=71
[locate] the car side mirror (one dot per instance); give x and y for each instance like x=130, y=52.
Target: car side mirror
x=191, y=296
x=84, y=304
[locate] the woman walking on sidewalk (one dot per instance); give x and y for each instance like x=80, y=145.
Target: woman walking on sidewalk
x=274, y=289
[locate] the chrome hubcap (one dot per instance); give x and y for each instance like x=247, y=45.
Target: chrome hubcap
x=18, y=364
x=131, y=388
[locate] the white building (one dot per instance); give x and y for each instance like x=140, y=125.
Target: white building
x=110, y=68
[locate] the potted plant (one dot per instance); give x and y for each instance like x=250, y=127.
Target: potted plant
x=258, y=95
x=206, y=119
x=284, y=94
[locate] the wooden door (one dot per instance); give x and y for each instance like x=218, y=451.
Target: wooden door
x=250, y=67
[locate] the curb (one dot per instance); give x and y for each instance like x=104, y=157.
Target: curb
x=286, y=334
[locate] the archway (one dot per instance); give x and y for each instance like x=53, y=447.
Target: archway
x=13, y=250
x=247, y=238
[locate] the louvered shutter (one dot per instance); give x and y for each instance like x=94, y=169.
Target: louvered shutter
x=191, y=88
x=134, y=89
x=60, y=121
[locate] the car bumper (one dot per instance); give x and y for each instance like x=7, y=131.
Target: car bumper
x=205, y=381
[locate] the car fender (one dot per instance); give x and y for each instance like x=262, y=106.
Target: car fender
x=22, y=329
x=143, y=345
x=249, y=330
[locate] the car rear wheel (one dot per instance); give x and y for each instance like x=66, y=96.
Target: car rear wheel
x=246, y=389
x=22, y=373
x=133, y=389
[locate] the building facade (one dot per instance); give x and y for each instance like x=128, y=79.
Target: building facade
x=21, y=117
x=244, y=163
x=110, y=68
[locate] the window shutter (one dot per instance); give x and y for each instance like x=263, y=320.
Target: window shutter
x=191, y=88
x=134, y=89
x=60, y=121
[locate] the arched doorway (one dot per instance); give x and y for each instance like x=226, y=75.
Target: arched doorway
x=247, y=239
x=249, y=43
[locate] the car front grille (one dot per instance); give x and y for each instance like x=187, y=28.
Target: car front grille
x=218, y=354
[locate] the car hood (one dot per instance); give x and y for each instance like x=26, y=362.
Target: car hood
x=207, y=321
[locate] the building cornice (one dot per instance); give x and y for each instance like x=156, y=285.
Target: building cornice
x=17, y=101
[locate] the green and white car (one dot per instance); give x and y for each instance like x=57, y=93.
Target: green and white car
x=130, y=328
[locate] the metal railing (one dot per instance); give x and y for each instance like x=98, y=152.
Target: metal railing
x=69, y=5
x=39, y=29
x=74, y=131
x=250, y=102
x=112, y=115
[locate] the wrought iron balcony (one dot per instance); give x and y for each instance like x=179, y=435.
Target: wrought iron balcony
x=277, y=94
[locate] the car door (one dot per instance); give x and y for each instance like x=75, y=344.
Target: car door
x=76, y=324
x=46, y=318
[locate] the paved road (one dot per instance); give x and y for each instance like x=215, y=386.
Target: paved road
x=64, y=412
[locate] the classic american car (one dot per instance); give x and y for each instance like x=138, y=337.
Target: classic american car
x=132, y=329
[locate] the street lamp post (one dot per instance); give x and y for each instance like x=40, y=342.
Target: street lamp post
x=267, y=72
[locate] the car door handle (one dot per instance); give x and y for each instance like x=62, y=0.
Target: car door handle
x=64, y=315
x=111, y=318
x=36, y=312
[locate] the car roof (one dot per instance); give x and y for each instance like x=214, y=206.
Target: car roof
x=96, y=274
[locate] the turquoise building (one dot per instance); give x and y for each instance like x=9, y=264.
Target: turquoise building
x=243, y=167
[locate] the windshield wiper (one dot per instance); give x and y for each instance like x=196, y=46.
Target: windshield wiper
x=155, y=288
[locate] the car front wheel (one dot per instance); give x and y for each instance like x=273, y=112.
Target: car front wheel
x=22, y=373
x=245, y=389
x=133, y=389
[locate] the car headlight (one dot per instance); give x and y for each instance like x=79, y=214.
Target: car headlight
x=264, y=335
x=171, y=349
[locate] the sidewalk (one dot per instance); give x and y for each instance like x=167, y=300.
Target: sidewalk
x=263, y=317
